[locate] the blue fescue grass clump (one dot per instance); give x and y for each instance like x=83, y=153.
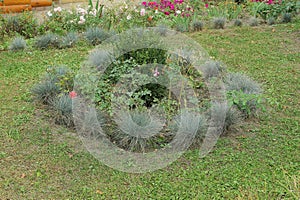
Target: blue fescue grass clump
x=96, y=35
x=69, y=40
x=62, y=107
x=253, y=21
x=18, y=44
x=238, y=22
x=197, y=25
x=286, y=17
x=219, y=23
x=46, y=41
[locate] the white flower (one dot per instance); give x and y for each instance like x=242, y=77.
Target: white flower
x=81, y=11
x=81, y=20
x=58, y=9
x=156, y=11
x=49, y=13
x=93, y=12
x=178, y=12
x=128, y=17
x=142, y=12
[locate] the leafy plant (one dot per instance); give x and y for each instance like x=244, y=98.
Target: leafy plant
x=18, y=44
x=23, y=24
x=243, y=93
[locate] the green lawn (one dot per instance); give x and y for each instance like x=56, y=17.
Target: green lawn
x=259, y=160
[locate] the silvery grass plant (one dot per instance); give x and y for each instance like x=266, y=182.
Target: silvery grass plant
x=18, y=44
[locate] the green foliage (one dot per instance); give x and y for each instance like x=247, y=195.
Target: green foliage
x=18, y=44
x=219, y=23
x=265, y=10
x=23, y=24
x=243, y=93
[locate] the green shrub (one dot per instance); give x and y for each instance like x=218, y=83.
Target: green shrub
x=23, y=24
x=18, y=44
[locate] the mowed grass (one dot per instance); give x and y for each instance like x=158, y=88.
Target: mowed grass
x=259, y=160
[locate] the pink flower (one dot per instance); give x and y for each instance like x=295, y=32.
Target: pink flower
x=206, y=5
x=270, y=2
x=144, y=3
x=156, y=72
x=142, y=12
x=167, y=13
x=72, y=94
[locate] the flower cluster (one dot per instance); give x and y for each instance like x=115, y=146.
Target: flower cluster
x=168, y=7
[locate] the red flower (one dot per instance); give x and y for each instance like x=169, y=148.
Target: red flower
x=72, y=94
x=206, y=5
x=167, y=13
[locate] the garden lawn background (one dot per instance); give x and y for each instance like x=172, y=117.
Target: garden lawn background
x=260, y=160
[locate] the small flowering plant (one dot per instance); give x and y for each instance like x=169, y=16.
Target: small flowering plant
x=169, y=8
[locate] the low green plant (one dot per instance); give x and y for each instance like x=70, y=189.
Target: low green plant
x=18, y=44
x=23, y=24
x=244, y=93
